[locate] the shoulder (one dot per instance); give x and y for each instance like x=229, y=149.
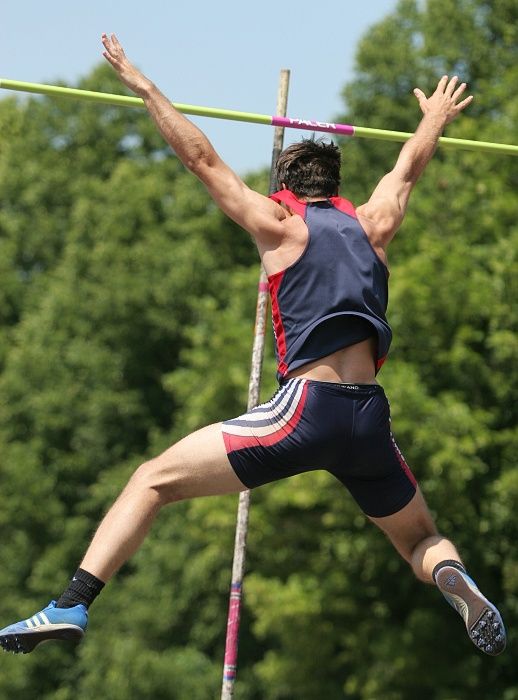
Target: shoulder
x=380, y=219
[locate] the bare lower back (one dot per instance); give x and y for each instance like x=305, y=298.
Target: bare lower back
x=354, y=364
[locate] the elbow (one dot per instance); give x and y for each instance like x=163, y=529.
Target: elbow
x=408, y=178
x=200, y=162
x=407, y=172
x=200, y=168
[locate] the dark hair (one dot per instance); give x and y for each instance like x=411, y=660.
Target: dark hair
x=310, y=168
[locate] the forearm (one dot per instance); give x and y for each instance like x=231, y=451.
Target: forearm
x=419, y=149
x=188, y=142
x=384, y=211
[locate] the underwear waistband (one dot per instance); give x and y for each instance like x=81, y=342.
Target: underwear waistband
x=347, y=387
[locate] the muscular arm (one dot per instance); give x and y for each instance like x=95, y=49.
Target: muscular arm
x=257, y=214
x=382, y=215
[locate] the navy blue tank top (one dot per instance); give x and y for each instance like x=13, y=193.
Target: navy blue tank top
x=335, y=294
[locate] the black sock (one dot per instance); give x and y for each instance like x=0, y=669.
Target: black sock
x=83, y=588
x=447, y=562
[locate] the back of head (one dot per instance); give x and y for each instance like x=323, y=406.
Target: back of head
x=310, y=168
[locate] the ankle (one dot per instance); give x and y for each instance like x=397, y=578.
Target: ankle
x=83, y=589
x=447, y=562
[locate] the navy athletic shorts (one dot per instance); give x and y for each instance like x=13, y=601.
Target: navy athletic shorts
x=342, y=428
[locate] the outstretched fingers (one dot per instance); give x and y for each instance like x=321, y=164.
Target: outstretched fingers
x=421, y=97
x=451, y=86
x=113, y=50
x=459, y=106
x=441, y=85
x=128, y=74
x=116, y=44
x=445, y=99
x=106, y=42
x=458, y=92
x=454, y=92
x=462, y=105
x=107, y=48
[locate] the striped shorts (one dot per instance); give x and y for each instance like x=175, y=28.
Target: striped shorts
x=341, y=428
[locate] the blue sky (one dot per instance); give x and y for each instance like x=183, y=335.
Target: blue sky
x=226, y=54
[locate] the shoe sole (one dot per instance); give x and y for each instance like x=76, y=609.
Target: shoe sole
x=23, y=642
x=483, y=621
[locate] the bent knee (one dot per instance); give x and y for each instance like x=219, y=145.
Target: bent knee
x=423, y=531
x=167, y=482
x=408, y=534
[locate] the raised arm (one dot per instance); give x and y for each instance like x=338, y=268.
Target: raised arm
x=257, y=214
x=382, y=215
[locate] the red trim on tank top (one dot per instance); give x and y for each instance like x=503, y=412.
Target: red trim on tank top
x=274, y=283
x=380, y=362
x=288, y=198
x=299, y=206
x=343, y=205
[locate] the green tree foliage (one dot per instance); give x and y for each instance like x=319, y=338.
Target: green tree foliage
x=127, y=305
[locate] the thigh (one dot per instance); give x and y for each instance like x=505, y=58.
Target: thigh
x=378, y=478
x=197, y=465
x=408, y=526
x=276, y=439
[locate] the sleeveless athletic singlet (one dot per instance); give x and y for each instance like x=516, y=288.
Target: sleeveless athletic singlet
x=335, y=294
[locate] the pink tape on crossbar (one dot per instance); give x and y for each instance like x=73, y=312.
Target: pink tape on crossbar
x=288, y=122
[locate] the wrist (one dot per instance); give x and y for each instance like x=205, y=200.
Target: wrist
x=435, y=119
x=145, y=89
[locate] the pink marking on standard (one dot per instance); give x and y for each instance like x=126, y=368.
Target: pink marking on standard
x=234, y=614
x=310, y=125
x=263, y=286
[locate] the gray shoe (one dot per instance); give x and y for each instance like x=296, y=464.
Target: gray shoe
x=483, y=621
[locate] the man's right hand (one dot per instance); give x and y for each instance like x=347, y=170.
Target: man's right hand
x=129, y=75
x=257, y=214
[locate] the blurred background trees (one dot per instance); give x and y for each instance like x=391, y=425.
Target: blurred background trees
x=126, y=319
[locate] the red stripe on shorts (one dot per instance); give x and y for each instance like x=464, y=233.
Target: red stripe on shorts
x=240, y=442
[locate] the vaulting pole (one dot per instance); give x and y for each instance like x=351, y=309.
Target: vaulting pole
x=277, y=121
x=238, y=566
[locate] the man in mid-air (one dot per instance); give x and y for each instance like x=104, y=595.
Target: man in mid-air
x=327, y=271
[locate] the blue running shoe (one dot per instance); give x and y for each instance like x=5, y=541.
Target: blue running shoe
x=68, y=624
x=483, y=621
